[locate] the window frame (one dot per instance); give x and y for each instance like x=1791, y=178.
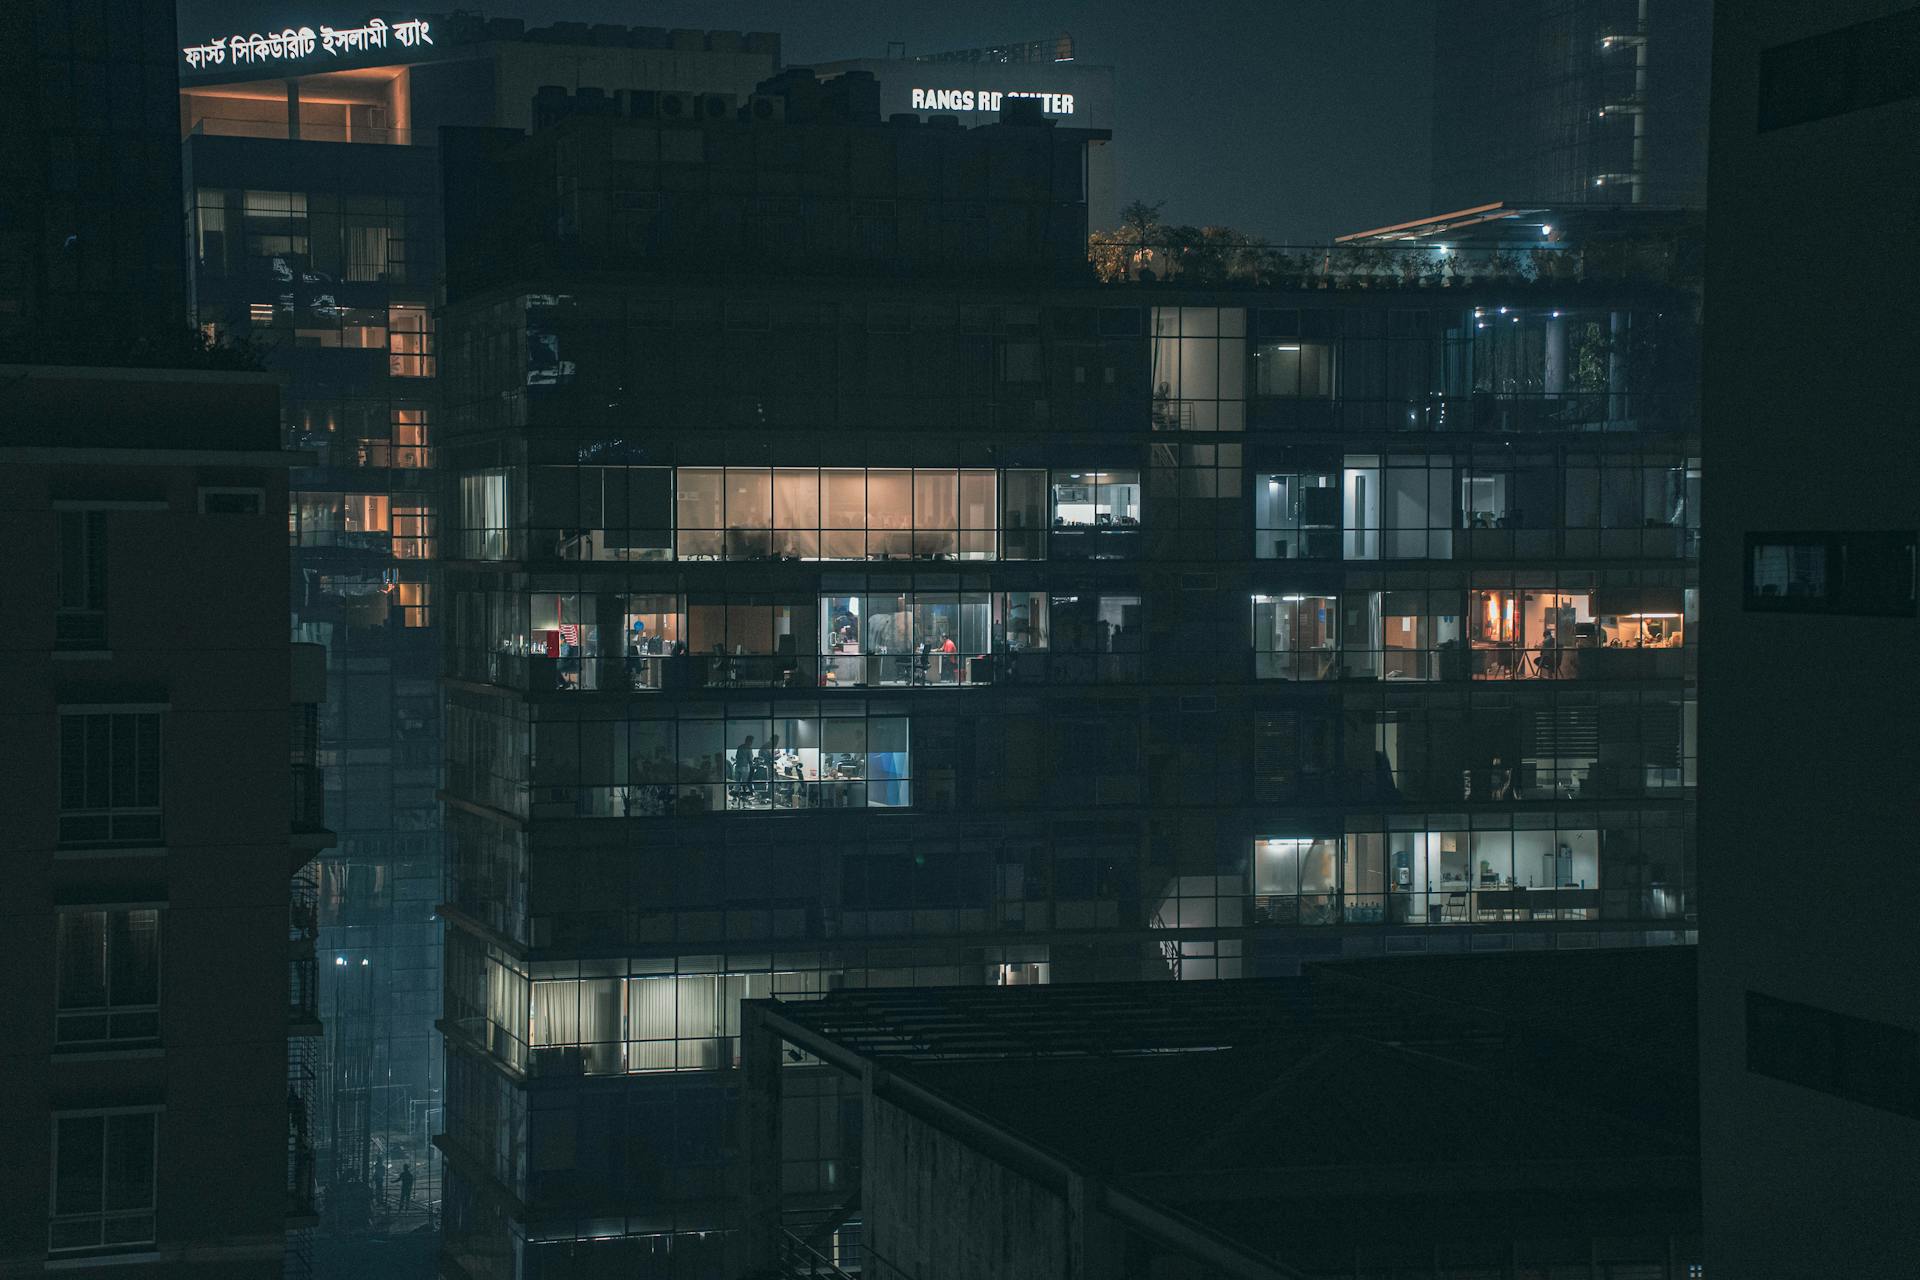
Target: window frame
x=114, y=814
x=103, y=1215
x=221, y=491
x=81, y=626
x=1839, y=599
x=108, y=1011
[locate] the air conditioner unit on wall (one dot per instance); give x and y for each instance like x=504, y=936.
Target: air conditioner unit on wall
x=763, y=109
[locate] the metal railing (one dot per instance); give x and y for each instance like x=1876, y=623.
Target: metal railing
x=1671, y=260
x=308, y=800
x=800, y=1259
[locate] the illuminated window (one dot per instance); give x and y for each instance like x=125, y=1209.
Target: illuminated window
x=741, y=764
x=483, y=515
x=835, y=514
x=410, y=341
x=413, y=600
x=412, y=530
x=614, y=1023
x=1199, y=368
x=1296, y=517
x=1296, y=637
x=1293, y=369
x=410, y=439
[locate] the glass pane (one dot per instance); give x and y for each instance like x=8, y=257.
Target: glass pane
x=81, y=1163
x=749, y=498
x=83, y=950
x=129, y=1161
x=135, y=951
x=796, y=499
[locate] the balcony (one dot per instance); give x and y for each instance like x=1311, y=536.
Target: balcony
x=1660, y=256
x=308, y=800
x=303, y=995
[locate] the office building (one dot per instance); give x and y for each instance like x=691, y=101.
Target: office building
x=1570, y=102
x=1810, y=1018
x=848, y=591
x=156, y=1078
x=1438, y=1116
x=973, y=84
x=315, y=234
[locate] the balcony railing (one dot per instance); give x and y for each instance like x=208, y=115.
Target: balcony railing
x=1215, y=260
x=303, y=989
x=308, y=805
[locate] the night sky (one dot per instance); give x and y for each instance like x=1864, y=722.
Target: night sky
x=1290, y=119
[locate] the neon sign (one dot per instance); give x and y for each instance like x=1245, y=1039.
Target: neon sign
x=300, y=42
x=1053, y=104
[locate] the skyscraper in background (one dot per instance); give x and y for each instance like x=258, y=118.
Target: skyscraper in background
x=1570, y=102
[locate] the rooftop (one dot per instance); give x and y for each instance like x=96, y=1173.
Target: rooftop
x=1290, y=1117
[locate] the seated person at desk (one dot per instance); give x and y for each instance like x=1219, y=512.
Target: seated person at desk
x=1547, y=657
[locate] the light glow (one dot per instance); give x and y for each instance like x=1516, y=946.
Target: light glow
x=300, y=42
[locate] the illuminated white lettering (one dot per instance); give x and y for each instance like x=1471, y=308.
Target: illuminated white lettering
x=1052, y=104
x=301, y=42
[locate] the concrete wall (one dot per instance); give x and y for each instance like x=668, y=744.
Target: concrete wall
x=197, y=618
x=936, y=1209
x=1808, y=750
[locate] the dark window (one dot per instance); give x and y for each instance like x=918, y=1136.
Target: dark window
x=103, y=1167
x=109, y=777
x=1862, y=574
x=1872, y=1063
x=232, y=502
x=81, y=620
x=1865, y=65
x=108, y=965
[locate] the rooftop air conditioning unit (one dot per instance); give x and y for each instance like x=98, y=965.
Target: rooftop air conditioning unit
x=714, y=106
x=764, y=109
x=675, y=106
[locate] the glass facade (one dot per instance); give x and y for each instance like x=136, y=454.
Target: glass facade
x=1006, y=635
x=326, y=258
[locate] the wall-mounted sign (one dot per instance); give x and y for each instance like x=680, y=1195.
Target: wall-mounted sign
x=1053, y=104
x=300, y=42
